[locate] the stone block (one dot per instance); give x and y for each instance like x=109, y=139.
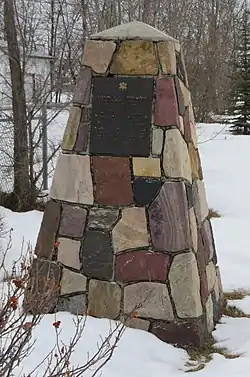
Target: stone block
x=169, y=219
x=181, y=124
x=133, y=31
x=83, y=87
x=204, y=287
x=131, y=231
x=186, y=94
x=210, y=314
x=73, y=221
x=48, y=230
x=208, y=240
x=72, y=282
x=146, y=167
x=185, y=285
x=104, y=299
x=73, y=304
x=166, y=53
x=98, y=55
x=166, y=106
x=193, y=227
x=200, y=201
x=185, y=333
x=135, y=58
x=202, y=257
x=42, y=293
x=77, y=186
x=112, y=180
x=157, y=141
x=103, y=218
x=194, y=161
x=141, y=265
x=145, y=190
x=97, y=255
x=211, y=276
x=189, y=126
x=81, y=144
x=137, y=323
x=149, y=300
x=69, y=253
x=220, y=288
x=176, y=161
x=180, y=97
x=181, y=69
x=71, y=130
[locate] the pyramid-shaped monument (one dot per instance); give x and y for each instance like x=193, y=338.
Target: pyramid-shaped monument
x=126, y=228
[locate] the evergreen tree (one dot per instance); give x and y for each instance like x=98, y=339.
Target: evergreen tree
x=241, y=85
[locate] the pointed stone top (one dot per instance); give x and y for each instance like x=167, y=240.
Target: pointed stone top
x=133, y=30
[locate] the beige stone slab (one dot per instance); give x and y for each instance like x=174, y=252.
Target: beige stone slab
x=149, y=300
x=200, y=200
x=98, y=55
x=220, y=287
x=70, y=133
x=167, y=57
x=181, y=124
x=104, y=299
x=176, y=161
x=193, y=126
x=211, y=275
x=186, y=93
x=194, y=161
x=185, y=285
x=68, y=252
x=146, y=167
x=135, y=58
x=72, y=181
x=210, y=314
x=131, y=231
x=217, y=289
x=133, y=30
x=72, y=282
x=157, y=141
x=177, y=47
x=193, y=227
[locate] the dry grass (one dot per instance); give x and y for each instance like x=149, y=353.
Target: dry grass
x=213, y=214
x=236, y=295
x=198, y=358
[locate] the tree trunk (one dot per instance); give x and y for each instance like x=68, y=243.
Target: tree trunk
x=21, y=189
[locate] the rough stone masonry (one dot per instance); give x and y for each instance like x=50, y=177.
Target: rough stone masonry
x=127, y=222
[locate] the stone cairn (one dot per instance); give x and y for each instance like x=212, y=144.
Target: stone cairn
x=127, y=222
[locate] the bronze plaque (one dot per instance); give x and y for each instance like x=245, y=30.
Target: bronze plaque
x=121, y=116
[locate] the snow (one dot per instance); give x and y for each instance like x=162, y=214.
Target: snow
x=140, y=354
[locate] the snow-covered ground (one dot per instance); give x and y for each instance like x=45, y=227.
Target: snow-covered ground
x=140, y=354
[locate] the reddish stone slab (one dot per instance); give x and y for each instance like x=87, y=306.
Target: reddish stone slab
x=141, y=265
x=73, y=221
x=180, y=98
x=191, y=332
x=202, y=256
x=187, y=126
x=169, y=219
x=83, y=87
x=112, y=179
x=81, y=144
x=49, y=227
x=166, y=106
x=208, y=240
x=204, y=287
